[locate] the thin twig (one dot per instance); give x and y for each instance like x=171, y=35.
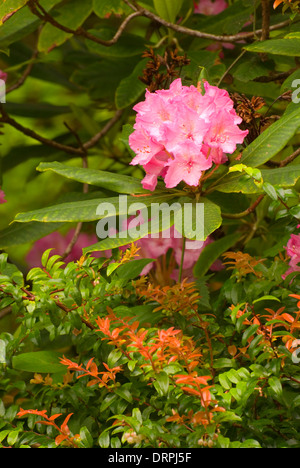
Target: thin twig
x=6, y=311
x=246, y=212
x=35, y=6
x=25, y=75
x=85, y=190
x=54, y=144
x=285, y=161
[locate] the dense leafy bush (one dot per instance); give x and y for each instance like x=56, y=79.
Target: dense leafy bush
x=130, y=338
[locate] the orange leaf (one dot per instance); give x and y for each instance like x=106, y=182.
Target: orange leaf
x=232, y=350
x=60, y=438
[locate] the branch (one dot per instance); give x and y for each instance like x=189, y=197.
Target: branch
x=265, y=4
x=25, y=75
x=45, y=16
x=246, y=212
x=54, y=144
x=200, y=34
x=285, y=161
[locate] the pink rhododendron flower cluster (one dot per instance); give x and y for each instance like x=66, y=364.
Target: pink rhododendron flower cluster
x=2, y=196
x=210, y=7
x=179, y=133
x=293, y=251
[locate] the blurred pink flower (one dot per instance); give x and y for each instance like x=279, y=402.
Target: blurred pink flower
x=293, y=251
x=151, y=247
x=3, y=75
x=58, y=242
x=2, y=196
x=210, y=7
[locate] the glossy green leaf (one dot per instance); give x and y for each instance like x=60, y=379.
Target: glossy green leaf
x=71, y=15
x=104, y=8
x=131, y=87
x=168, y=9
x=212, y=252
x=22, y=23
x=88, y=210
x=9, y=8
x=115, y=182
x=280, y=177
x=197, y=221
x=38, y=361
x=272, y=140
x=288, y=47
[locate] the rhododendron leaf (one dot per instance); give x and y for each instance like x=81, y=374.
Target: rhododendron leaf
x=130, y=88
x=272, y=140
x=212, y=252
x=279, y=177
x=17, y=234
x=85, y=211
x=71, y=16
x=104, y=8
x=9, y=8
x=21, y=23
x=289, y=47
x=168, y=9
x=205, y=226
x=115, y=182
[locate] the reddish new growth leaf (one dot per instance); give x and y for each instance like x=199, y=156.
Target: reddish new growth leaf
x=64, y=431
x=91, y=370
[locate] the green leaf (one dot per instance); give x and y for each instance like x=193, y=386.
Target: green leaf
x=2, y=352
x=168, y=9
x=133, y=268
x=18, y=234
x=162, y=383
x=223, y=362
x=212, y=252
x=124, y=393
x=250, y=331
x=115, y=182
x=288, y=47
x=275, y=385
x=272, y=141
x=281, y=177
x=71, y=15
x=103, y=8
x=131, y=88
x=88, y=210
x=129, y=45
x=85, y=437
x=9, y=8
x=13, y=437
x=38, y=361
x=104, y=439
x=197, y=221
x=22, y=23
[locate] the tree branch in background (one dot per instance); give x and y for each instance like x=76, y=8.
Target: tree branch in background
x=246, y=212
x=25, y=75
x=266, y=10
x=41, y=13
x=67, y=149
x=201, y=34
